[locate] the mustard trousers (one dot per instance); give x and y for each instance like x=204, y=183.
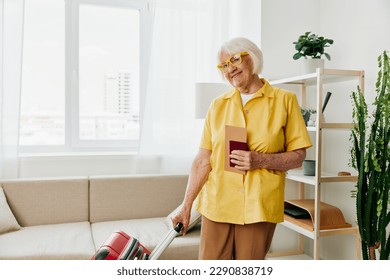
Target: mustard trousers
x=224, y=241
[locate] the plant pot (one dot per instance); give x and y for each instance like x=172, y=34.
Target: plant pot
x=309, y=167
x=310, y=65
x=312, y=120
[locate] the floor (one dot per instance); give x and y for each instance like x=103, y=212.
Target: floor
x=292, y=257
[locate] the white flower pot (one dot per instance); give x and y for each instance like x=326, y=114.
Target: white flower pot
x=310, y=65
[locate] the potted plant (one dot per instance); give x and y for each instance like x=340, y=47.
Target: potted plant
x=312, y=46
x=306, y=113
x=370, y=156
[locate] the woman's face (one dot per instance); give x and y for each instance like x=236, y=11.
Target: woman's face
x=241, y=75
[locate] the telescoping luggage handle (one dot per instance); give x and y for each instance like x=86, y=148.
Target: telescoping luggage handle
x=155, y=254
x=178, y=227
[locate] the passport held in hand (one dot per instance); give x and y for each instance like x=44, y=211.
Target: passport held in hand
x=235, y=139
x=237, y=145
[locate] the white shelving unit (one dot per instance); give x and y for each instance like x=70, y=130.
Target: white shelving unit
x=318, y=79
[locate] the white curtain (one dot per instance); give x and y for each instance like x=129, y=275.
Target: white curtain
x=11, y=33
x=186, y=37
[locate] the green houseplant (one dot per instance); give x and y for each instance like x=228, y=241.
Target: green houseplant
x=306, y=113
x=311, y=45
x=370, y=156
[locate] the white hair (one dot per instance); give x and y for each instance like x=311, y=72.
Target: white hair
x=241, y=44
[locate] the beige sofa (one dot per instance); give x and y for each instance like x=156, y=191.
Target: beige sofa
x=70, y=218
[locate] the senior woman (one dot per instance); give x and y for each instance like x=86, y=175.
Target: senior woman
x=240, y=211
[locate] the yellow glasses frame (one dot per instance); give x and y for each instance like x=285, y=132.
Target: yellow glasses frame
x=234, y=60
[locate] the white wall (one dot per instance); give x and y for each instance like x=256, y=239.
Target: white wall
x=282, y=23
x=244, y=19
x=360, y=31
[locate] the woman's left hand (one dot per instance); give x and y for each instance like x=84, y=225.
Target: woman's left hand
x=245, y=160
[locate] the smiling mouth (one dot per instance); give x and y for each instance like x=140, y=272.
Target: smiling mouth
x=236, y=75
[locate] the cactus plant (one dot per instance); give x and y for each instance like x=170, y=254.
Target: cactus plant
x=370, y=156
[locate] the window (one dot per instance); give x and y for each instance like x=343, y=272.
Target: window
x=42, y=117
x=82, y=73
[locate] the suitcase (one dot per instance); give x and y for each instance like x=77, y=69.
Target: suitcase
x=121, y=246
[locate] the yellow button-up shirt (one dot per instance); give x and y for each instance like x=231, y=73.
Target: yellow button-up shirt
x=274, y=124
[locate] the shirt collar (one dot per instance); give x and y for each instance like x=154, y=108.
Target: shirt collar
x=265, y=90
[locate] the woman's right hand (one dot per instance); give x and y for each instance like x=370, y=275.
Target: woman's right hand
x=183, y=217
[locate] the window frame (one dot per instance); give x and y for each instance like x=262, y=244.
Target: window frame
x=72, y=141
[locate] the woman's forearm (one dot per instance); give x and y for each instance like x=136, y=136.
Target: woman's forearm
x=249, y=160
x=200, y=170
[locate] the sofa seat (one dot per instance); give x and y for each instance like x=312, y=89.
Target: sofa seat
x=70, y=241
x=150, y=232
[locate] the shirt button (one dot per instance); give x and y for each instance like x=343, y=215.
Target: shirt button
x=246, y=111
x=241, y=190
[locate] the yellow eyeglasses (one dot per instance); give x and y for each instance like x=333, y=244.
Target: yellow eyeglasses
x=234, y=60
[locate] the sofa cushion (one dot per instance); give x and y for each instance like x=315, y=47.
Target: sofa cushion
x=184, y=247
x=7, y=219
x=135, y=197
x=48, y=201
x=72, y=241
x=150, y=232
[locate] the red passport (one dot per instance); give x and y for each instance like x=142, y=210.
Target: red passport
x=235, y=139
x=237, y=145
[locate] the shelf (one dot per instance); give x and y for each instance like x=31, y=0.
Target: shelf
x=325, y=125
x=324, y=219
x=327, y=75
x=297, y=227
x=332, y=220
x=311, y=128
x=337, y=125
x=297, y=176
